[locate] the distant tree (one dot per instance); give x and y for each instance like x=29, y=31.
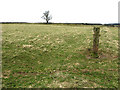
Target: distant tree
x=46, y=16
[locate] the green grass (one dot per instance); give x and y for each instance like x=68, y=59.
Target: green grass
x=58, y=56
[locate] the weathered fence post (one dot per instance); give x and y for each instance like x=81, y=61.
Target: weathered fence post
x=96, y=41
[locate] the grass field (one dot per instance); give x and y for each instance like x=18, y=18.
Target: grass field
x=58, y=56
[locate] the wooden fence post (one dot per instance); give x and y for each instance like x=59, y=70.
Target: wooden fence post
x=96, y=41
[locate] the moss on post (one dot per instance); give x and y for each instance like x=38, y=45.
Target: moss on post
x=96, y=35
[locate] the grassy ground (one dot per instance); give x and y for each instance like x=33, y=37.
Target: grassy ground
x=58, y=56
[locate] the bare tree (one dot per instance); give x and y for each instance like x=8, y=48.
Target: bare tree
x=46, y=16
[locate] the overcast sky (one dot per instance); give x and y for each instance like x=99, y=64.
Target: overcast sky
x=64, y=11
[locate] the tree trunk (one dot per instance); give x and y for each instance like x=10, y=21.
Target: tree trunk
x=46, y=22
x=96, y=41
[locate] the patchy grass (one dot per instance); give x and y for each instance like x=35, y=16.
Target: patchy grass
x=58, y=56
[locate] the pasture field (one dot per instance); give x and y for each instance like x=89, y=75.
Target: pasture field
x=58, y=56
